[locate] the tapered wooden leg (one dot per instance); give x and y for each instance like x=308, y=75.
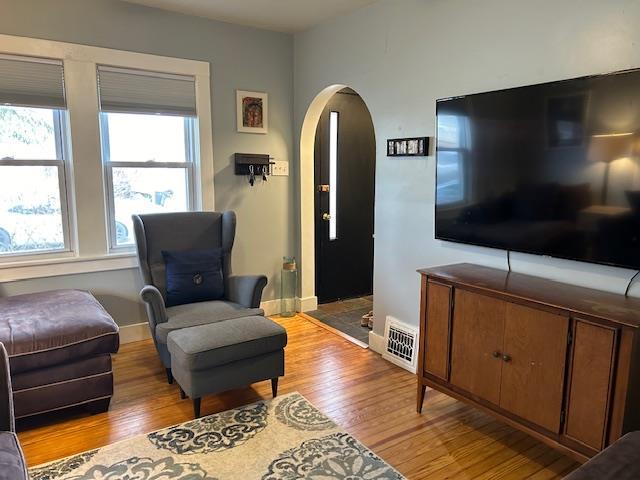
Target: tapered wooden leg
x=421, y=390
x=196, y=407
x=274, y=387
x=182, y=394
x=169, y=376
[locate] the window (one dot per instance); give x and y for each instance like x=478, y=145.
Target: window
x=62, y=204
x=452, y=148
x=333, y=175
x=33, y=195
x=148, y=127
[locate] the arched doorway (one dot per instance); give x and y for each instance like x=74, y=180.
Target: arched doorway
x=328, y=229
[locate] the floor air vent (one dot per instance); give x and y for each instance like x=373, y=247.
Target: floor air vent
x=400, y=344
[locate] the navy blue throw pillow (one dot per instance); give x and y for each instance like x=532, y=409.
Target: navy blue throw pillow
x=193, y=276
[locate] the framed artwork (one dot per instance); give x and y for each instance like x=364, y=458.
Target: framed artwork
x=252, y=111
x=408, y=147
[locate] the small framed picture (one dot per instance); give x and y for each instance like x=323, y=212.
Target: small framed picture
x=408, y=147
x=252, y=112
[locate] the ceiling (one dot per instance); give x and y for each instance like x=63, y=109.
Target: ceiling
x=280, y=15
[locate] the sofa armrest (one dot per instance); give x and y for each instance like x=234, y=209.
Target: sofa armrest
x=7, y=420
x=156, y=310
x=12, y=463
x=619, y=461
x=246, y=289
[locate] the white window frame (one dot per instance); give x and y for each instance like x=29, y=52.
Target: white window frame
x=88, y=211
x=190, y=165
x=61, y=131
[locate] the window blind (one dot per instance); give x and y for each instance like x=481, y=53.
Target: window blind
x=31, y=82
x=139, y=91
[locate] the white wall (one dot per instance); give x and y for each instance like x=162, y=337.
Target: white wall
x=240, y=58
x=401, y=55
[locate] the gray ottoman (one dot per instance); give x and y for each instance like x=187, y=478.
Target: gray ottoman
x=213, y=358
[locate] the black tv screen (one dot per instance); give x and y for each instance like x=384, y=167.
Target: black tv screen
x=550, y=169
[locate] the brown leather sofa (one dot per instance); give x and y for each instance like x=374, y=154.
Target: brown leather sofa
x=59, y=344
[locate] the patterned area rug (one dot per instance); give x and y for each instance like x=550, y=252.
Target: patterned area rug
x=285, y=438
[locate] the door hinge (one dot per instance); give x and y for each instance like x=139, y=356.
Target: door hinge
x=562, y=418
x=323, y=188
x=570, y=337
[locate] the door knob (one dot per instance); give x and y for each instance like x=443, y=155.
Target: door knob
x=326, y=217
x=506, y=358
x=496, y=354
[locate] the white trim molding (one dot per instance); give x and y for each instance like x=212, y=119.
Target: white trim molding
x=87, y=202
x=273, y=307
x=54, y=267
x=307, y=195
x=134, y=333
x=376, y=342
x=307, y=304
x=29, y=47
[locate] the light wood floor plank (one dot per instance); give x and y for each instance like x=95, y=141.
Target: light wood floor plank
x=367, y=396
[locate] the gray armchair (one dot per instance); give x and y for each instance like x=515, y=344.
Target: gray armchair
x=160, y=232
x=12, y=463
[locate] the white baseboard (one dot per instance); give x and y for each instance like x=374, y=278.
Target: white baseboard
x=270, y=307
x=134, y=333
x=376, y=342
x=273, y=307
x=307, y=304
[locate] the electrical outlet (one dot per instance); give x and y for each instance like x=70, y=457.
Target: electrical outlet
x=280, y=168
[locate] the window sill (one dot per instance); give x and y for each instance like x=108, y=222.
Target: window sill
x=53, y=267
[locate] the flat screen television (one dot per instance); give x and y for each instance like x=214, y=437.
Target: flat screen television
x=550, y=169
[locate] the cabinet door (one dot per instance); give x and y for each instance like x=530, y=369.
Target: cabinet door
x=535, y=345
x=438, y=310
x=478, y=330
x=590, y=387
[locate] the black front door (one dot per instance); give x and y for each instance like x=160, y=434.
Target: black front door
x=344, y=197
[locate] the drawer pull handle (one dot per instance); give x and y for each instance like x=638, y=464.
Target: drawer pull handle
x=506, y=358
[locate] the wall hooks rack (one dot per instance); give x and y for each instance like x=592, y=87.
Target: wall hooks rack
x=253, y=165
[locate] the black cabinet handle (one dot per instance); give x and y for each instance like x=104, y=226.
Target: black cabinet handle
x=506, y=358
x=496, y=354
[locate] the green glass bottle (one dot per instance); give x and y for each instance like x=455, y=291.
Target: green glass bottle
x=288, y=286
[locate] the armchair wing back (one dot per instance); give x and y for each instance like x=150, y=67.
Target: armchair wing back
x=160, y=232
x=181, y=231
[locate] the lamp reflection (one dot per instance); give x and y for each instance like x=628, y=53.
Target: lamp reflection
x=607, y=148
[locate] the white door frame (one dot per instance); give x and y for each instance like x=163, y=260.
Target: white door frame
x=308, y=300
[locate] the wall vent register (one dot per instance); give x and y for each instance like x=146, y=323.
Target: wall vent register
x=401, y=341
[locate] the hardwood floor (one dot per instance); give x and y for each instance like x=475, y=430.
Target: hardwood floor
x=367, y=396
